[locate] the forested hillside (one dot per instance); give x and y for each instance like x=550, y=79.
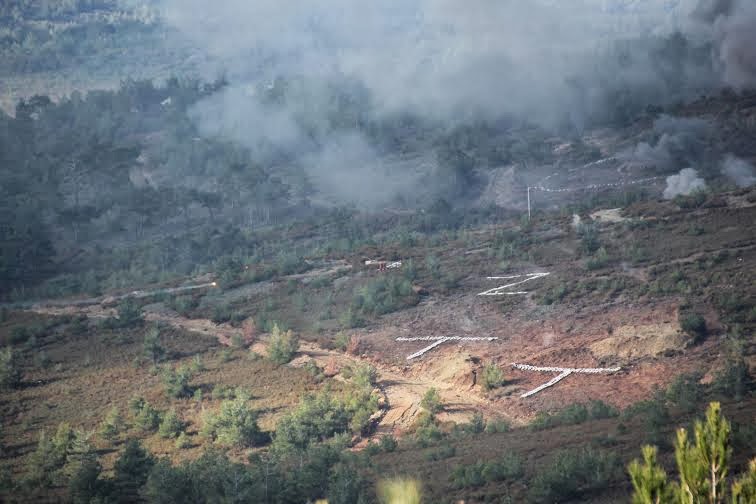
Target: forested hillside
x=396, y=252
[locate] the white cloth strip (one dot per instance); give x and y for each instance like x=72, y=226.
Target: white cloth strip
x=526, y=367
x=500, y=291
x=549, y=383
x=426, y=349
x=448, y=338
x=438, y=340
x=595, y=186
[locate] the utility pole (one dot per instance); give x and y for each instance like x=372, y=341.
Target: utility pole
x=528, y=203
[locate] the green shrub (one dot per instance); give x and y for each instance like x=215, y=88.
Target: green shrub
x=734, y=379
x=372, y=449
x=555, y=294
x=432, y=401
x=365, y=376
x=237, y=341
x=497, y=425
x=388, y=444
x=19, y=334
x=10, y=371
x=183, y=305
x=654, y=414
x=685, y=392
x=361, y=404
x=221, y=391
x=129, y=314
x=234, y=425
x=575, y=413
x=426, y=429
x=443, y=452
x=197, y=366
x=46, y=465
x=589, y=239
x=384, y=295
x=694, y=200
x=508, y=467
x=282, y=345
x=341, y=341
x=317, y=418
x=226, y=355
x=433, y=265
x=182, y=441
x=493, y=377
x=703, y=463
x=477, y=423
x=221, y=314
x=574, y=473
x=145, y=416
x=598, y=409
x=42, y=360
x=350, y=318
x=171, y=425
x=153, y=350
x=598, y=260
x=112, y=425
x=176, y=381
x=694, y=324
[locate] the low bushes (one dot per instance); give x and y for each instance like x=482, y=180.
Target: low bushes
x=282, y=345
x=573, y=473
x=234, y=425
x=574, y=414
x=176, y=381
x=492, y=378
x=10, y=372
x=694, y=324
x=384, y=295
x=508, y=467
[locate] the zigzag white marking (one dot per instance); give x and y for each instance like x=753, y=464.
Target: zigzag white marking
x=501, y=291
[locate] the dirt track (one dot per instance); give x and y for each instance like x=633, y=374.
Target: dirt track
x=403, y=392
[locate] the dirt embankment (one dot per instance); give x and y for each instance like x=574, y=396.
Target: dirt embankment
x=403, y=390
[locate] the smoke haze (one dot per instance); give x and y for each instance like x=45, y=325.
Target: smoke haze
x=680, y=141
x=739, y=171
x=559, y=65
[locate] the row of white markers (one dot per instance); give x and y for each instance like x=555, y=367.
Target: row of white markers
x=504, y=290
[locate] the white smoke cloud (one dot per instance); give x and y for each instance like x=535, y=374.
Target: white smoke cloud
x=684, y=183
x=680, y=140
x=546, y=62
x=348, y=169
x=739, y=171
x=731, y=24
x=541, y=60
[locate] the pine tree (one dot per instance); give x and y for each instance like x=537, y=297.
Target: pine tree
x=171, y=426
x=82, y=470
x=10, y=374
x=131, y=471
x=112, y=425
x=702, y=466
x=282, y=345
x=153, y=350
x=744, y=489
x=649, y=479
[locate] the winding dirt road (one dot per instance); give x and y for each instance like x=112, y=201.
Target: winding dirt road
x=403, y=389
